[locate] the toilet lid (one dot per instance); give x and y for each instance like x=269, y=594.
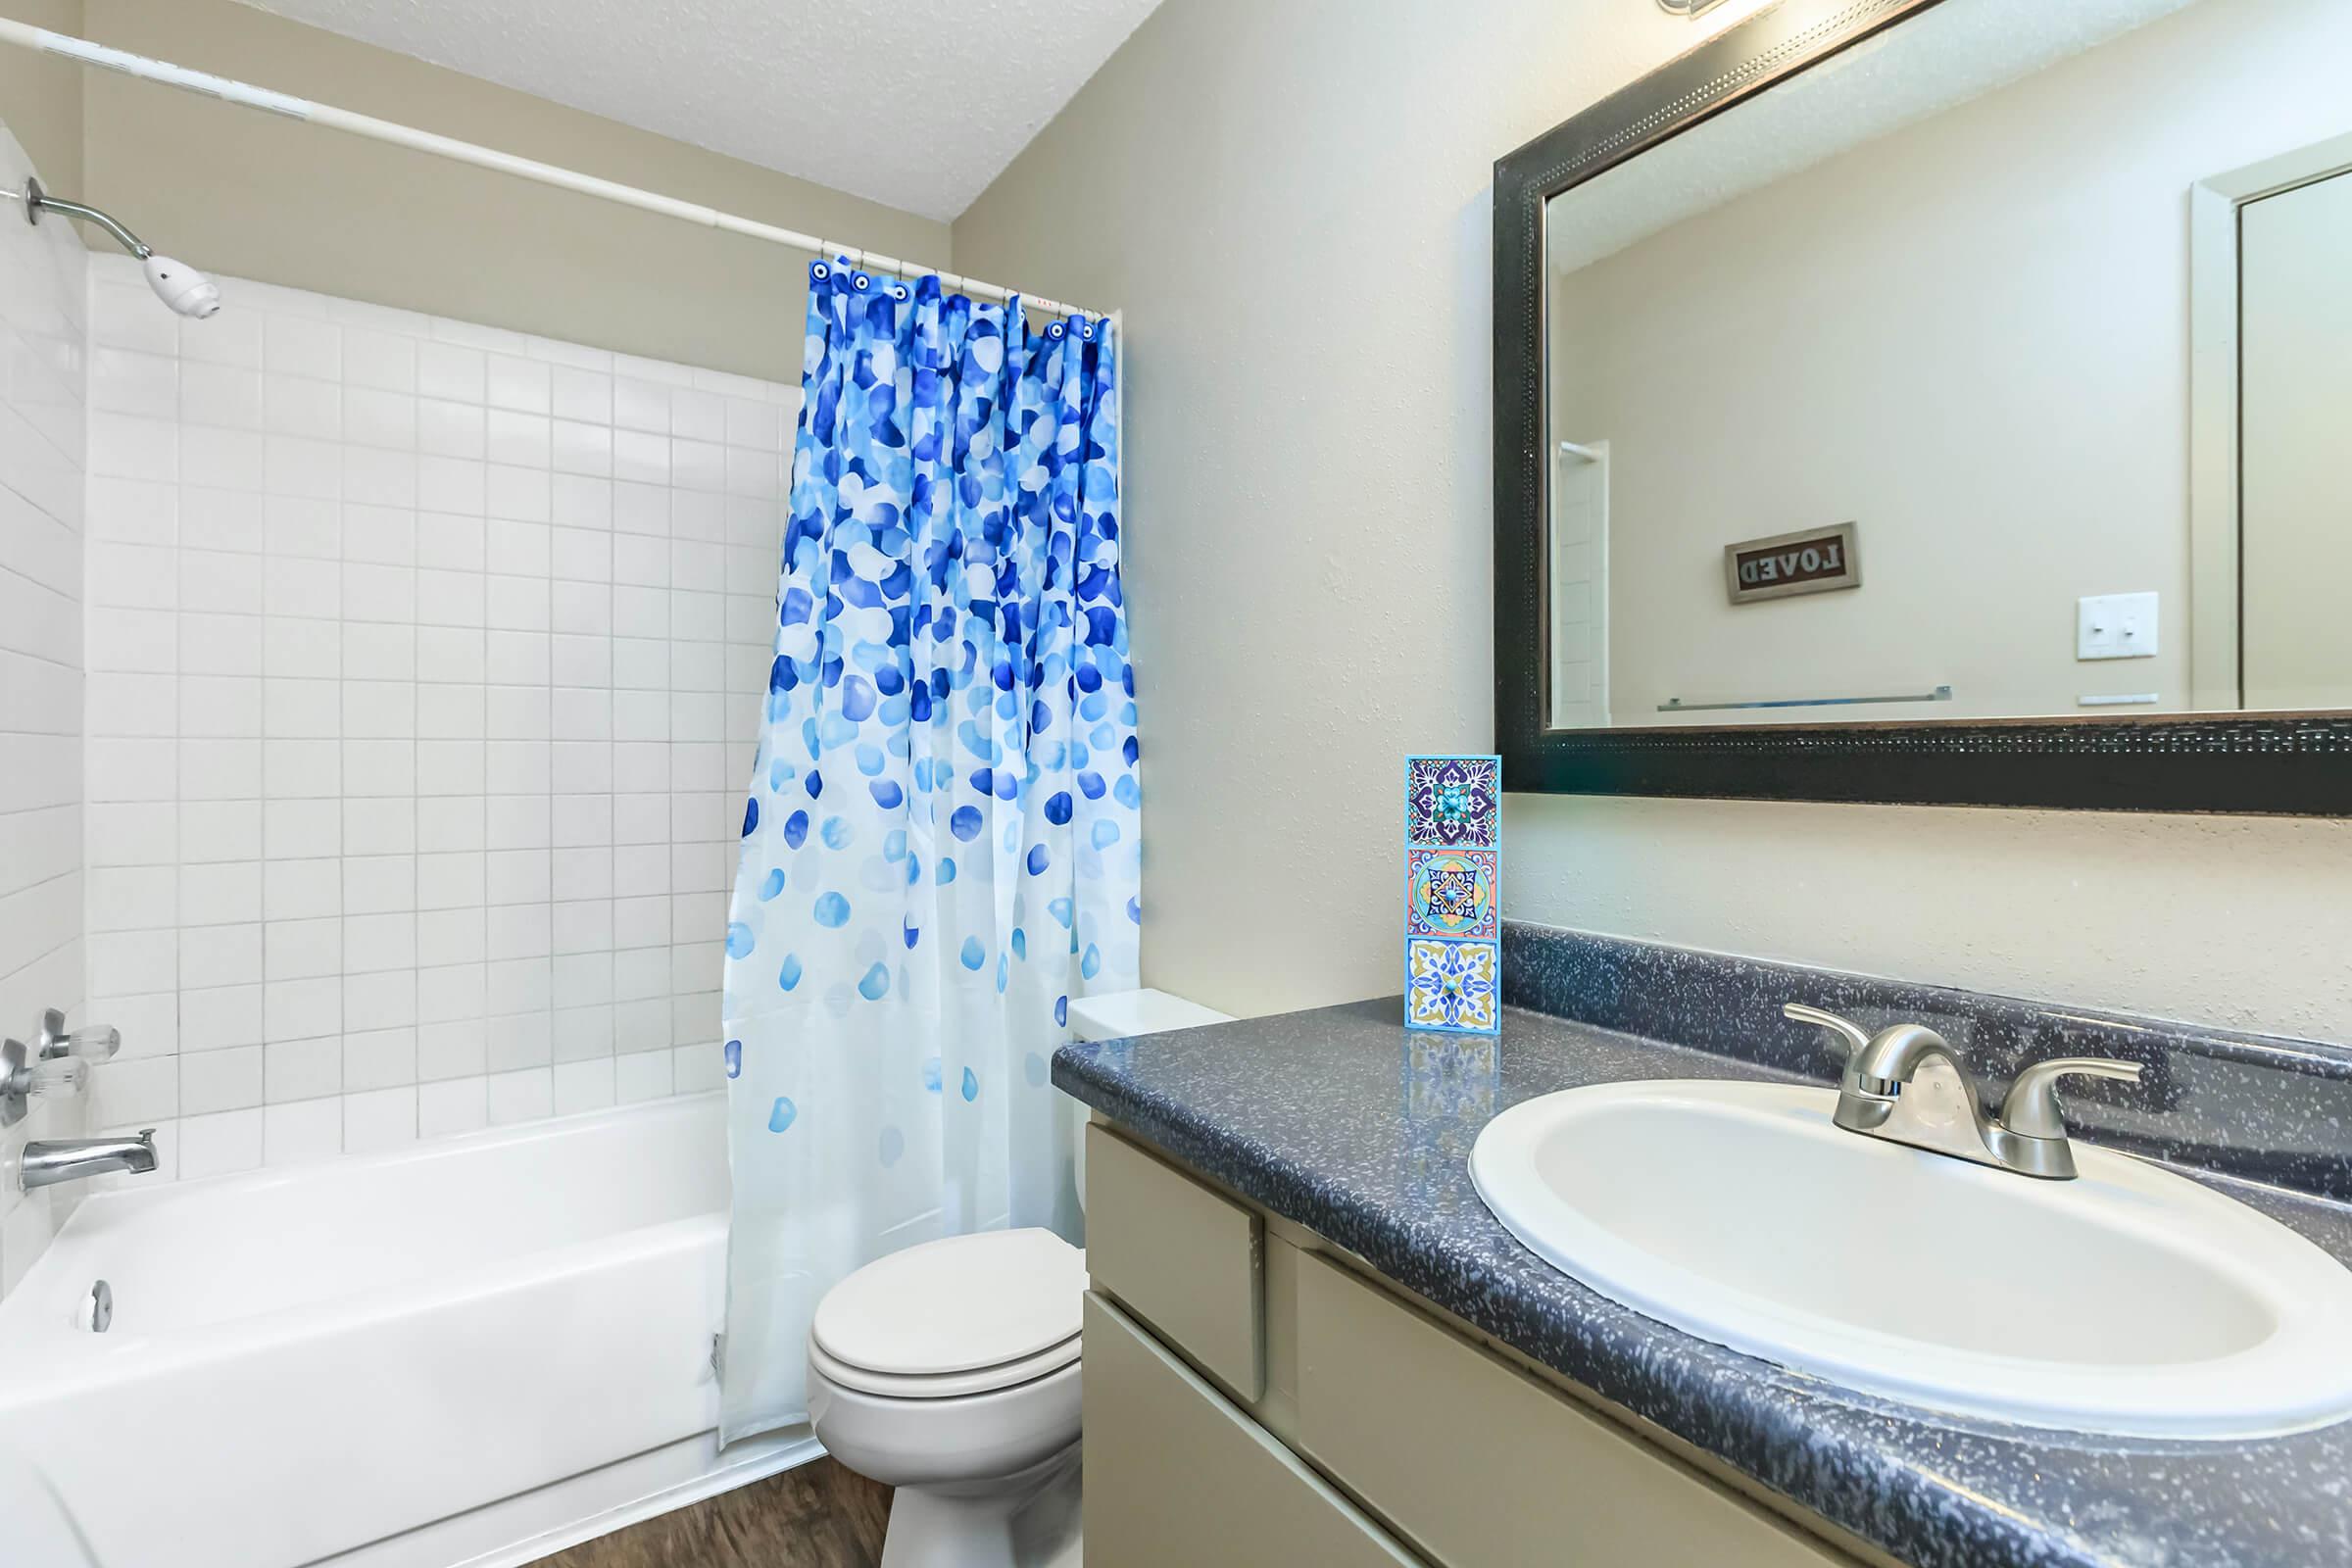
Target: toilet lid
x=958, y=1305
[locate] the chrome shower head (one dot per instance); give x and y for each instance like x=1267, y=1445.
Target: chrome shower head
x=175, y=284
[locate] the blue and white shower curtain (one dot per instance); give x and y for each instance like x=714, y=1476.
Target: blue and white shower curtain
x=941, y=845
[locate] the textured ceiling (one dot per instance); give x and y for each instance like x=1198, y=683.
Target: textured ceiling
x=918, y=104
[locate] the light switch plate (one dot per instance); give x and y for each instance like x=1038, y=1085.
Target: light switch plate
x=2115, y=626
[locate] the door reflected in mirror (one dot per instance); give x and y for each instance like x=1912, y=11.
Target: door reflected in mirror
x=2043, y=315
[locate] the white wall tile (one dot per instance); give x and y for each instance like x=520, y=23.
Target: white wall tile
x=215, y=1144
x=379, y=1001
x=643, y=1075
x=383, y=361
x=301, y=405
x=228, y=1079
x=213, y=518
x=296, y=346
x=302, y=1129
x=302, y=1009
x=453, y=1050
x=380, y=1058
x=447, y=370
x=697, y=1069
x=452, y=1106
x=526, y=1095
x=224, y=395
x=223, y=829
x=411, y=758
x=583, y=1085
x=520, y=1040
x=379, y=1118
x=217, y=1017
x=134, y=1091
x=303, y=1070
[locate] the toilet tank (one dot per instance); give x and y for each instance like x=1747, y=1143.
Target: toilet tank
x=1116, y=1016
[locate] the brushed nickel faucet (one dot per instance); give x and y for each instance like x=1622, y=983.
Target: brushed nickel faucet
x=70, y=1159
x=1904, y=1084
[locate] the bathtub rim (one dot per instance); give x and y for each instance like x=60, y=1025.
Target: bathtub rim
x=39, y=1311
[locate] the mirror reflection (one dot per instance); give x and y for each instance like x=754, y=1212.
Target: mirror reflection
x=1999, y=366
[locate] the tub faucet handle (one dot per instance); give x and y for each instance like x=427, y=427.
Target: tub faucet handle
x=22, y=1076
x=92, y=1042
x=64, y=1076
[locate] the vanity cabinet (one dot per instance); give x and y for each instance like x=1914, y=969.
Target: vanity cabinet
x=1254, y=1396
x=1177, y=1475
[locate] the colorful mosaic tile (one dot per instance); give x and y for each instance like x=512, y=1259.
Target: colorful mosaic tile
x=1450, y=893
x=1454, y=985
x=1453, y=802
x=1453, y=894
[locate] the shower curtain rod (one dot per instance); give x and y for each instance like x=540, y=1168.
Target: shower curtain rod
x=464, y=152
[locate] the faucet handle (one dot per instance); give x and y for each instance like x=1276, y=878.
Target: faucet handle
x=1851, y=1033
x=89, y=1043
x=2031, y=1108
x=60, y=1075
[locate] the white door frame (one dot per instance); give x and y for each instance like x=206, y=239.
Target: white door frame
x=1594, y=455
x=2215, y=679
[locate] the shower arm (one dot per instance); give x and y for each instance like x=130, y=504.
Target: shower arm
x=36, y=199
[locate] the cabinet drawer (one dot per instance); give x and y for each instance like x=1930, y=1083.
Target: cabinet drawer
x=1176, y=1478
x=1183, y=1258
x=1388, y=1399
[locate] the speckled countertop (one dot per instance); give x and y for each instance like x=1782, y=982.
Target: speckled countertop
x=1342, y=1120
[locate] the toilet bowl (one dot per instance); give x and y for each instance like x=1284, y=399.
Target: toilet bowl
x=949, y=1371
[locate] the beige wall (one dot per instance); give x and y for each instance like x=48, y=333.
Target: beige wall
x=233, y=190
x=40, y=97
x=1972, y=336
x=1291, y=204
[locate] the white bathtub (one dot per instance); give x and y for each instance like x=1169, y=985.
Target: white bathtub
x=468, y=1352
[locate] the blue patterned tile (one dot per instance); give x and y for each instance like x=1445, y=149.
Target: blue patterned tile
x=1453, y=802
x=1454, y=986
x=1451, y=893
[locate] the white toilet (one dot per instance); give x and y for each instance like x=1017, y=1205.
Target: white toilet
x=949, y=1371
x=971, y=1413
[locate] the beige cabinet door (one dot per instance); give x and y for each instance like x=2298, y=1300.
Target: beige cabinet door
x=1481, y=1466
x=2295, y=304
x=1177, y=1477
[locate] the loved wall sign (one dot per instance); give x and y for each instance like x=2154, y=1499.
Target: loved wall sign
x=1811, y=561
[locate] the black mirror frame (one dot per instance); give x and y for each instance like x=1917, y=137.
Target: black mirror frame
x=2293, y=764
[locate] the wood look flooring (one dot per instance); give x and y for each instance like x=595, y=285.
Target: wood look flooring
x=816, y=1516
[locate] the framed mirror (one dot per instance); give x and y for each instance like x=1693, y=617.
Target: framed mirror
x=1938, y=401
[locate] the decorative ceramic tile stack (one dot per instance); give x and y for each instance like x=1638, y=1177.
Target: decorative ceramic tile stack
x=1453, y=894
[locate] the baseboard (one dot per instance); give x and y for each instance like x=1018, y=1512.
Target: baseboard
x=538, y=1524
x=784, y=1455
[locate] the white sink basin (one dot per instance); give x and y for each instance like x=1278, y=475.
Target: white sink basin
x=2129, y=1301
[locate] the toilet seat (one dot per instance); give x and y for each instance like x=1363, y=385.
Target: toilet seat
x=950, y=1318
x=944, y=1385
